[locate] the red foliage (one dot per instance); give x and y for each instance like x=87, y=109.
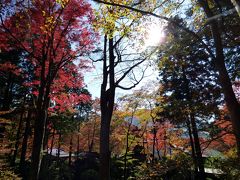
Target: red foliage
x=53, y=36
x=226, y=135
x=225, y=138
x=8, y=67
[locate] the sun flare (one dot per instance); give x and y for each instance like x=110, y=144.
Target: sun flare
x=154, y=35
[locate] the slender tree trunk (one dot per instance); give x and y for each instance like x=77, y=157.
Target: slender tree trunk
x=158, y=153
x=144, y=130
x=127, y=147
x=143, y=144
x=147, y=144
x=46, y=136
x=52, y=142
x=224, y=79
x=93, y=136
x=125, y=159
x=78, y=142
x=8, y=94
x=70, y=151
x=197, y=146
x=25, y=140
x=192, y=147
x=59, y=145
x=58, y=155
x=154, y=143
x=165, y=142
x=78, y=145
x=236, y=3
x=18, y=137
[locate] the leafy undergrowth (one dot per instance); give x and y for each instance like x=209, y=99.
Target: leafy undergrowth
x=8, y=175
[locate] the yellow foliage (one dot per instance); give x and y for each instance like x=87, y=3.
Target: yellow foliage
x=111, y=19
x=63, y=3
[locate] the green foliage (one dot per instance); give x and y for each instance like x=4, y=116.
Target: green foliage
x=64, y=123
x=117, y=166
x=230, y=168
x=60, y=170
x=178, y=168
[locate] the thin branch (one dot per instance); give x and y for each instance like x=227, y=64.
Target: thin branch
x=134, y=84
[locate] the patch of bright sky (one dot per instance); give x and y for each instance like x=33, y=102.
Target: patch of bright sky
x=155, y=35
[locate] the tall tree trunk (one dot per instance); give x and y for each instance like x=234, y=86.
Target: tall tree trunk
x=39, y=132
x=104, y=148
x=18, y=137
x=40, y=122
x=197, y=146
x=25, y=140
x=39, y=128
x=107, y=104
x=230, y=98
